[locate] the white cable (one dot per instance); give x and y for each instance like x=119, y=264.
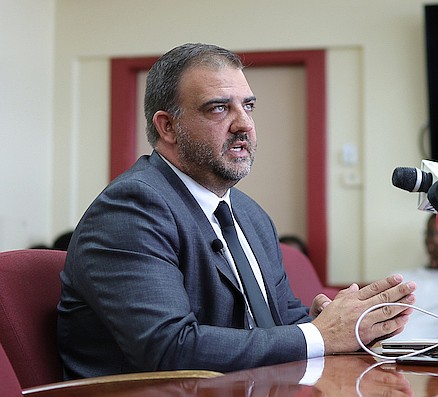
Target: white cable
x=392, y=359
x=359, y=379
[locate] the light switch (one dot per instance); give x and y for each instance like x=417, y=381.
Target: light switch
x=349, y=154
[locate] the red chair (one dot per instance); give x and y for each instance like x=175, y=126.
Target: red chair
x=9, y=385
x=302, y=276
x=30, y=289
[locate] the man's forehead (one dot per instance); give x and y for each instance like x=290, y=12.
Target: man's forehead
x=214, y=80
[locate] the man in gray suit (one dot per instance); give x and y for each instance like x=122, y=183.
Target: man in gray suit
x=149, y=283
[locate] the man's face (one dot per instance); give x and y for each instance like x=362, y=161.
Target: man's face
x=216, y=137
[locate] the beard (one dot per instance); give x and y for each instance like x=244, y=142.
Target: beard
x=196, y=154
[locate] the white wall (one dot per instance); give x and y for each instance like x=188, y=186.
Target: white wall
x=26, y=80
x=387, y=35
x=387, y=68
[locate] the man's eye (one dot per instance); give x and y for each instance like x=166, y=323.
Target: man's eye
x=218, y=108
x=249, y=106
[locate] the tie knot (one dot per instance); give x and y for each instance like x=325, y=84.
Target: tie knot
x=223, y=215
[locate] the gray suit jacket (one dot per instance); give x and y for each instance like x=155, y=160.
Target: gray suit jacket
x=143, y=290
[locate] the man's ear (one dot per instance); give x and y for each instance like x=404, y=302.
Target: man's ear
x=165, y=125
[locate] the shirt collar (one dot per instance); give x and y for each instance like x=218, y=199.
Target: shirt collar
x=207, y=200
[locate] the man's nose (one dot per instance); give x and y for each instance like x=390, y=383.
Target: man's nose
x=242, y=122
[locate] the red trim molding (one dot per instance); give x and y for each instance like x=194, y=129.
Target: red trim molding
x=123, y=131
x=123, y=111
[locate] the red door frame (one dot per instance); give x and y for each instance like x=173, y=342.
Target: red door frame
x=123, y=131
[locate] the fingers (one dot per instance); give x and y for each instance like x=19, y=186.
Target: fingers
x=385, y=322
x=391, y=327
x=318, y=304
x=385, y=313
x=390, y=289
x=352, y=288
x=380, y=286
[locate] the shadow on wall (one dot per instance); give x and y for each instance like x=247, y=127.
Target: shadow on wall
x=294, y=241
x=61, y=242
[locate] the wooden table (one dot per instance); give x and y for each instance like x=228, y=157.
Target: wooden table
x=343, y=376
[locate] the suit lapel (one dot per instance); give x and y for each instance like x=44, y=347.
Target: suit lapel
x=196, y=212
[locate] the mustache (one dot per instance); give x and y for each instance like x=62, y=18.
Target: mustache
x=250, y=145
x=243, y=137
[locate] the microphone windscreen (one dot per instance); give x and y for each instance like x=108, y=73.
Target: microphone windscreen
x=412, y=179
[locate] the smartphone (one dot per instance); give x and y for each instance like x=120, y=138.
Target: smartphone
x=417, y=360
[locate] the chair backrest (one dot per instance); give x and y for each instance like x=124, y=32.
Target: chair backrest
x=9, y=385
x=30, y=289
x=302, y=276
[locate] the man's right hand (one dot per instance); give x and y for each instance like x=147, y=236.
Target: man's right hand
x=337, y=320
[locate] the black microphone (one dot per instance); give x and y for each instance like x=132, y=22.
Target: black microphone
x=217, y=245
x=432, y=195
x=412, y=179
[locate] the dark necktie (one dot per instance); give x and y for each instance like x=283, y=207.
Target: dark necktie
x=260, y=310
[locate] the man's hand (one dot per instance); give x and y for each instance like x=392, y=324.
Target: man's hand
x=319, y=303
x=336, y=319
